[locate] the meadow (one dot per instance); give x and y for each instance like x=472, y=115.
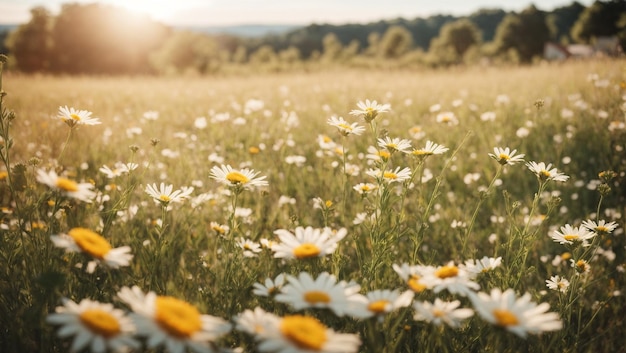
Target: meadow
x=466, y=210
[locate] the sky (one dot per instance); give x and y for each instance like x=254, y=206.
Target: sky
x=295, y=12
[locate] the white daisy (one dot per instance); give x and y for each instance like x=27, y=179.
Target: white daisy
x=304, y=243
x=323, y=292
x=269, y=287
x=305, y=334
x=381, y=302
x=441, y=312
x=80, y=191
x=256, y=322
x=250, y=248
x=485, y=264
x=447, y=118
x=89, y=242
x=506, y=156
x=412, y=276
x=73, y=117
x=394, y=144
x=98, y=326
x=600, y=227
x=244, y=178
x=455, y=279
x=558, y=283
x=219, y=229
x=376, y=155
x=369, y=110
x=172, y=322
x=365, y=188
x=390, y=176
x=430, y=149
x=572, y=235
x=118, y=170
x=345, y=128
x=165, y=194
x=546, y=172
x=582, y=267
x=518, y=315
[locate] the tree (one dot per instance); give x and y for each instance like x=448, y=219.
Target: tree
x=332, y=47
x=526, y=34
x=563, y=19
x=487, y=21
x=601, y=19
x=30, y=43
x=456, y=38
x=185, y=52
x=396, y=41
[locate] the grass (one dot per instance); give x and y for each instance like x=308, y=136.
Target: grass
x=469, y=207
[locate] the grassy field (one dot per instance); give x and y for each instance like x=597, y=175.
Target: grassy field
x=420, y=236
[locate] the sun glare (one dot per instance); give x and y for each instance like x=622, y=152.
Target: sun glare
x=157, y=10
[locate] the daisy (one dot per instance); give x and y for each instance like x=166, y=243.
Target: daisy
x=365, y=188
x=394, y=144
x=165, y=194
x=518, y=315
x=430, y=149
x=73, y=117
x=244, y=178
x=220, y=229
x=390, y=176
x=381, y=302
x=546, y=172
x=344, y=127
x=119, y=169
x=250, y=248
x=417, y=133
x=80, y=191
x=441, y=312
x=601, y=227
x=558, y=283
x=456, y=279
x=98, y=326
x=269, y=287
x=376, y=155
x=581, y=266
x=325, y=142
x=172, y=322
x=369, y=110
x=323, y=292
x=447, y=118
x=412, y=276
x=256, y=322
x=304, y=334
x=506, y=156
x=486, y=264
x=88, y=242
x=304, y=243
x=572, y=235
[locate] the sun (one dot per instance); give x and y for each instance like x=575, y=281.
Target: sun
x=160, y=11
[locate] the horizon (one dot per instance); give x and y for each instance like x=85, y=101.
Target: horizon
x=222, y=13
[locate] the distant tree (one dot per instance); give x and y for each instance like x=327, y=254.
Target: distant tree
x=30, y=43
x=487, y=21
x=455, y=39
x=373, y=42
x=525, y=33
x=291, y=55
x=602, y=18
x=332, y=47
x=240, y=55
x=563, y=19
x=185, y=52
x=264, y=55
x=396, y=41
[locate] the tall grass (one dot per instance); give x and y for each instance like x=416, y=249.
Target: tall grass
x=466, y=207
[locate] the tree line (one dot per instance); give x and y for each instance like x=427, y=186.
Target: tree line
x=102, y=39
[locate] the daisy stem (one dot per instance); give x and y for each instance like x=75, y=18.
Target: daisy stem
x=67, y=141
x=345, y=176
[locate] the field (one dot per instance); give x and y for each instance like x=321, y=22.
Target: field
x=286, y=230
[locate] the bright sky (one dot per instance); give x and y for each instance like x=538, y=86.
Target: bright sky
x=300, y=12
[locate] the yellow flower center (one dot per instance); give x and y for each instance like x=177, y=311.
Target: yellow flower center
x=570, y=237
x=566, y=256
x=253, y=150
x=326, y=139
x=421, y=152
x=90, y=242
x=328, y=203
x=315, y=296
x=165, y=198
x=505, y=317
x=447, y=272
x=384, y=154
x=66, y=185
x=602, y=229
x=415, y=284
x=306, y=250
x=75, y=117
x=504, y=157
x=177, y=317
x=378, y=306
x=392, y=146
x=237, y=178
x=365, y=188
x=390, y=175
x=100, y=322
x=305, y=332
x=3, y=175
x=544, y=173
x=446, y=118
x=438, y=313
x=218, y=229
x=345, y=127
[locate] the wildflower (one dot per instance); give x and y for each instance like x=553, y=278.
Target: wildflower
x=344, y=127
x=430, y=149
x=250, y=248
x=412, y=276
x=581, y=266
x=172, y=322
x=96, y=325
x=558, y=283
x=305, y=243
x=269, y=287
x=166, y=193
x=220, y=229
x=304, y=334
x=376, y=155
x=441, y=312
x=601, y=227
x=323, y=292
x=456, y=279
x=517, y=315
x=364, y=188
x=244, y=178
x=546, y=172
x=325, y=142
x=73, y=117
x=572, y=235
x=67, y=187
x=447, y=118
x=416, y=132
x=506, y=156
x=369, y=110
x=93, y=244
x=256, y=322
x=118, y=170
x=381, y=302
x=390, y=176
x=486, y=264
x=394, y=144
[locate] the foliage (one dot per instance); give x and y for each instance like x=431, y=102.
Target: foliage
x=526, y=33
x=185, y=52
x=31, y=43
x=454, y=41
x=600, y=19
x=395, y=42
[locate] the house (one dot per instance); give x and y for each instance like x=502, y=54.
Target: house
x=553, y=51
